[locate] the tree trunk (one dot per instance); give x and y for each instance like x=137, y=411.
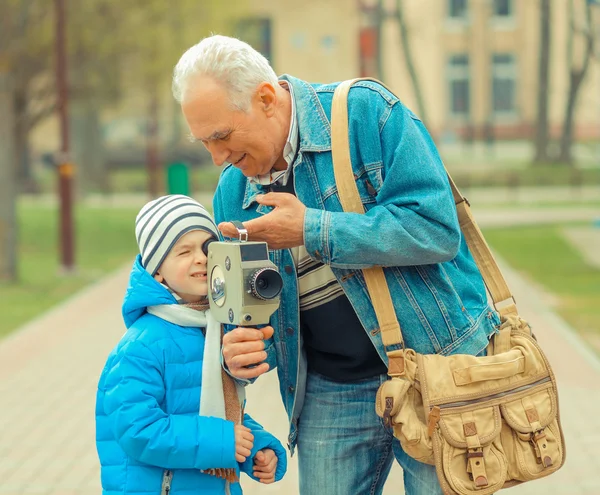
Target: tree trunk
x=152, y=153
x=410, y=65
x=88, y=147
x=566, y=140
x=8, y=184
x=542, y=133
x=576, y=78
x=21, y=140
x=379, y=20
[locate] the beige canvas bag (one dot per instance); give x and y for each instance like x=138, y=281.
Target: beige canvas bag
x=486, y=423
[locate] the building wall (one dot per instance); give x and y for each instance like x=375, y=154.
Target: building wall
x=315, y=40
x=319, y=41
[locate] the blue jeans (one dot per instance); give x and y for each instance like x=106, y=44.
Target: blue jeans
x=343, y=446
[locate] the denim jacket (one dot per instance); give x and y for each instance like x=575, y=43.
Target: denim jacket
x=410, y=227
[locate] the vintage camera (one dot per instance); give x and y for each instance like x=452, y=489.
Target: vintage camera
x=244, y=285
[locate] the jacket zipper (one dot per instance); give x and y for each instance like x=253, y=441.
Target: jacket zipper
x=293, y=421
x=166, y=484
x=495, y=396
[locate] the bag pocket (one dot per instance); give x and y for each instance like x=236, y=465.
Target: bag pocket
x=531, y=435
x=400, y=405
x=469, y=452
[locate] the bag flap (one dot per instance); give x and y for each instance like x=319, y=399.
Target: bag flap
x=485, y=423
x=460, y=377
x=390, y=396
x=533, y=412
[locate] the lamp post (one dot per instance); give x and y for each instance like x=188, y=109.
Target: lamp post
x=65, y=166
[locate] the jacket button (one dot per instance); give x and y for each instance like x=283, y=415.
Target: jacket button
x=288, y=269
x=291, y=389
x=290, y=330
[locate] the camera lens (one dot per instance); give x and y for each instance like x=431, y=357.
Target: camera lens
x=206, y=244
x=265, y=283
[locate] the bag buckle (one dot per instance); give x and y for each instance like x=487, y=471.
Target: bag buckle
x=387, y=418
x=434, y=419
x=540, y=445
x=476, y=467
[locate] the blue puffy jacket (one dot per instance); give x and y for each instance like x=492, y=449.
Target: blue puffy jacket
x=147, y=406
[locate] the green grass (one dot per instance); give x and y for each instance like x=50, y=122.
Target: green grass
x=204, y=178
x=546, y=257
x=104, y=241
x=135, y=179
x=531, y=175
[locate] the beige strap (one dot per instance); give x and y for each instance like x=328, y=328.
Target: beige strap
x=350, y=199
x=391, y=333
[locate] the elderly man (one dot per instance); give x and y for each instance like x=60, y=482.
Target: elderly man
x=273, y=136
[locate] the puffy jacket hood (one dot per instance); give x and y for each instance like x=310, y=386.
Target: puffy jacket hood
x=142, y=291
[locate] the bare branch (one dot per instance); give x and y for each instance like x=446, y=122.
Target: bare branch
x=36, y=118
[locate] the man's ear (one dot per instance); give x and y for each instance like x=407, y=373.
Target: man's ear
x=266, y=98
x=158, y=277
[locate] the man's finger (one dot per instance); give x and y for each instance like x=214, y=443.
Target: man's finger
x=243, y=360
x=248, y=373
x=274, y=198
x=242, y=334
x=232, y=353
x=254, y=227
x=267, y=332
x=231, y=350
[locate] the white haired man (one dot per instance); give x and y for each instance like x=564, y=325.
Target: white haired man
x=273, y=137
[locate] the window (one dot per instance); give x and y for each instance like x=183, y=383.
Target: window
x=458, y=81
x=256, y=31
x=457, y=9
x=504, y=78
x=502, y=8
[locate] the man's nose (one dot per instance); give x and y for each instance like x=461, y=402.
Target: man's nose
x=218, y=152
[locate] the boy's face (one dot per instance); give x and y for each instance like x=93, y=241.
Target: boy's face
x=184, y=268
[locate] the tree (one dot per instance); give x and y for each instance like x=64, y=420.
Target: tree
x=8, y=223
x=111, y=44
x=408, y=58
x=576, y=75
x=542, y=127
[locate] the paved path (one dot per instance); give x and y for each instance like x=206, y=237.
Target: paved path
x=49, y=371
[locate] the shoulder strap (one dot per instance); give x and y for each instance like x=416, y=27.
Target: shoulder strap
x=375, y=277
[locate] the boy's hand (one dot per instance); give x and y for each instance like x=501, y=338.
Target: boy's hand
x=265, y=463
x=244, y=440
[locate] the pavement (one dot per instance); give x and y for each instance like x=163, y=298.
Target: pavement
x=49, y=370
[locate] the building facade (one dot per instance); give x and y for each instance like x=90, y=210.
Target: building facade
x=477, y=60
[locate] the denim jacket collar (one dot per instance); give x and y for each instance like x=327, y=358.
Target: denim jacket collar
x=313, y=126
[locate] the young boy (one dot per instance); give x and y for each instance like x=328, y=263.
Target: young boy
x=168, y=419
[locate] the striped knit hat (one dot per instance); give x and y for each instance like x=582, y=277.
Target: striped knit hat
x=163, y=221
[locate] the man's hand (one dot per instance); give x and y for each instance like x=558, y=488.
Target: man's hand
x=244, y=441
x=281, y=228
x=245, y=346
x=265, y=464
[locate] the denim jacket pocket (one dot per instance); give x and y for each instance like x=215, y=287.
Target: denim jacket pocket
x=369, y=180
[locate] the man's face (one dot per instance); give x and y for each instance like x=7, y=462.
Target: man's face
x=252, y=141
x=184, y=268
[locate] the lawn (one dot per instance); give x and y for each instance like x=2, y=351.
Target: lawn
x=545, y=256
x=104, y=241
